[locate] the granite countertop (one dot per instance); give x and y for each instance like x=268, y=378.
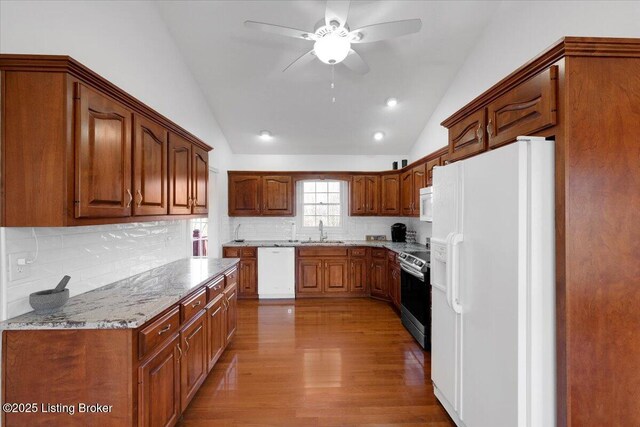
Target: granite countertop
x=130, y=302
x=394, y=246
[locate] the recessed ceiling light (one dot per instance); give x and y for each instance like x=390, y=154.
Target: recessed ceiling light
x=265, y=135
x=378, y=136
x=392, y=102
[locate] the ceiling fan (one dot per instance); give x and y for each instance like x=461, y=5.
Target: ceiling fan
x=333, y=38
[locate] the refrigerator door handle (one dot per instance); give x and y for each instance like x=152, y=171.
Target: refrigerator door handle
x=456, y=239
x=448, y=271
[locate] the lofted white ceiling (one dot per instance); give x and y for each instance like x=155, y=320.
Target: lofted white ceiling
x=240, y=72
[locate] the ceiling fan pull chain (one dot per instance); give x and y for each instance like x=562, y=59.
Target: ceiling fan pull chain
x=333, y=83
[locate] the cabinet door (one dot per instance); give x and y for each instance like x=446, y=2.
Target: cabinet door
x=419, y=181
x=231, y=314
x=310, y=276
x=179, y=176
x=358, y=276
x=372, y=189
x=430, y=165
x=159, y=387
x=149, y=168
x=193, y=364
x=336, y=278
x=390, y=195
x=277, y=196
x=524, y=110
x=406, y=189
x=103, y=156
x=358, y=194
x=248, y=278
x=466, y=138
x=394, y=285
x=200, y=182
x=379, y=285
x=244, y=195
x=216, y=330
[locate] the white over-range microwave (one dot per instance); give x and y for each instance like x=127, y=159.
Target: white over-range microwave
x=426, y=204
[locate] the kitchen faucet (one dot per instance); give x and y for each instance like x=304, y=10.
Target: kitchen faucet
x=323, y=236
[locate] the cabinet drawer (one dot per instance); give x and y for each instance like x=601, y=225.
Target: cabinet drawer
x=322, y=252
x=215, y=287
x=358, y=252
x=193, y=304
x=248, y=253
x=232, y=277
x=157, y=331
x=378, y=253
x=466, y=138
x=524, y=110
x=231, y=252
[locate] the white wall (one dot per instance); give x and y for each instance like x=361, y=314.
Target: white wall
x=128, y=44
x=315, y=162
x=519, y=31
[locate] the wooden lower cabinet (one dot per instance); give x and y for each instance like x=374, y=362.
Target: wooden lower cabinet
x=358, y=280
x=231, y=312
x=159, y=389
x=394, y=285
x=309, y=278
x=216, y=329
x=193, y=365
x=247, y=271
x=336, y=278
x=378, y=279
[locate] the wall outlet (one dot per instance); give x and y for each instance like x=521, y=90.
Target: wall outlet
x=18, y=268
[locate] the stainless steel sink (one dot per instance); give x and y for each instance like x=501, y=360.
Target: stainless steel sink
x=318, y=242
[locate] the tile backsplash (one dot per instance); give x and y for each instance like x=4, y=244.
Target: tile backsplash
x=355, y=228
x=93, y=256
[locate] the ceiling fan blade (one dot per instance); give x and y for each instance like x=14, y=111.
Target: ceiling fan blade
x=354, y=62
x=386, y=30
x=337, y=10
x=301, y=60
x=278, y=29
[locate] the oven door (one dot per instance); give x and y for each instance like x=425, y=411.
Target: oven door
x=415, y=296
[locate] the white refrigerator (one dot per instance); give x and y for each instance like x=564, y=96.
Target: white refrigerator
x=493, y=287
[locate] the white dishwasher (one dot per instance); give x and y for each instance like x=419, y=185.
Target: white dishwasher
x=276, y=273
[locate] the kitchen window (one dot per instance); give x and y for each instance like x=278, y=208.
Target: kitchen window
x=322, y=200
x=199, y=240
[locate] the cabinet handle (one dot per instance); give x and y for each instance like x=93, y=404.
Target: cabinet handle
x=195, y=304
x=490, y=129
x=186, y=341
x=130, y=198
x=141, y=198
x=165, y=329
x=479, y=133
x=189, y=202
x=195, y=202
x=180, y=351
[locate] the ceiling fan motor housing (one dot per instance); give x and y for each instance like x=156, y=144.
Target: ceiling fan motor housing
x=332, y=45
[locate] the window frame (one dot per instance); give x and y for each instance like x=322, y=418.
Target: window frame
x=344, y=190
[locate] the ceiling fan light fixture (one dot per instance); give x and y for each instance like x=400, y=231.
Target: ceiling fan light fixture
x=392, y=102
x=332, y=48
x=378, y=136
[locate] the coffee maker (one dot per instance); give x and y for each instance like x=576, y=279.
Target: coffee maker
x=399, y=232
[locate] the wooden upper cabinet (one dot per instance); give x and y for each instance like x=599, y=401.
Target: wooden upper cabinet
x=277, y=196
x=406, y=193
x=149, y=167
x=390, y=195
x=430, y=164
x=200, y=183
x=358, y=195
x=419, y=181
x=372, y=191
x=103, y=156
x=244, y=195
x=179, y=175
x=466, y=138
x=524, y=110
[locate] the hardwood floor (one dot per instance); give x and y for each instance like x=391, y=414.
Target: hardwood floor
x=316, y=362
